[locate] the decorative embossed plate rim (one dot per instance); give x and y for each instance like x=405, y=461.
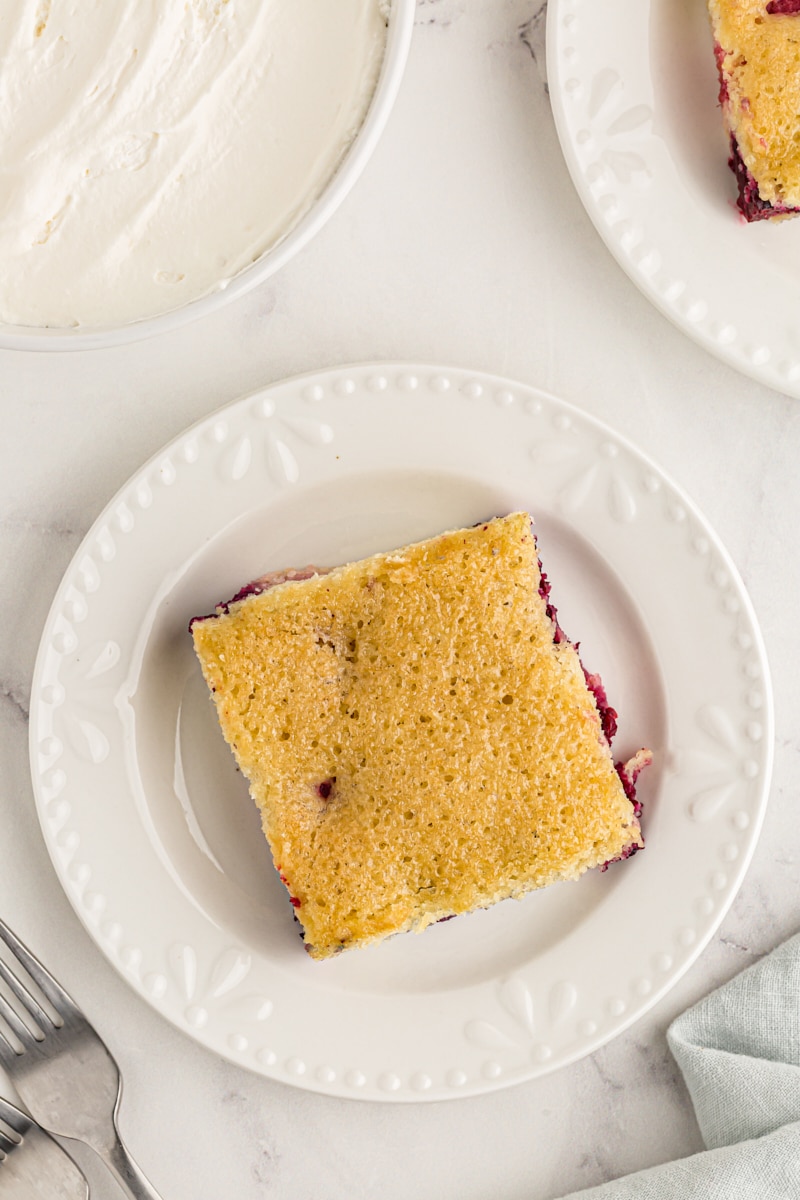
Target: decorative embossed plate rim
x=493, y=998
x=634, y=94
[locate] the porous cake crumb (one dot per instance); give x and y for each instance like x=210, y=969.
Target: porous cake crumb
x=417, y=732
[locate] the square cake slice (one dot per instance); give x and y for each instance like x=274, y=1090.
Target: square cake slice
x=420, y=736
x=757, y=47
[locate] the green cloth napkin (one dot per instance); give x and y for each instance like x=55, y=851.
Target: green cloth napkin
x=739, y=1051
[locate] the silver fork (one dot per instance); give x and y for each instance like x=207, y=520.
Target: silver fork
x=33, y=1164
x=62, y=1069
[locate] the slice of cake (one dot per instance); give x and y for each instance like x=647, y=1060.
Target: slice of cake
x=757, y=47
x=418, y=733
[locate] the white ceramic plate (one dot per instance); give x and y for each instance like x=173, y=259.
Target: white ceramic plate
x=634, y=92
x=398, y=42
x=151, y=829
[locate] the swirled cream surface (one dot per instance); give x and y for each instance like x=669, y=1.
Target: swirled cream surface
x=152, y=149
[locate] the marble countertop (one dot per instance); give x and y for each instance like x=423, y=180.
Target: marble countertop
x=464, y=243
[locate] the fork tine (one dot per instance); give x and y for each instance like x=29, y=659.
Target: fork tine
x=14, y=1117
x=61, y=1000
x=26, y=997
x=7, y=1144
x=16, y=1024
x=7, y=1051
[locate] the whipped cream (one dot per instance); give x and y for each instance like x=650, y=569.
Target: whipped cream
x=152, y=149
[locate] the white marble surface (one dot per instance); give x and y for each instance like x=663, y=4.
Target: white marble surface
x=463, y=243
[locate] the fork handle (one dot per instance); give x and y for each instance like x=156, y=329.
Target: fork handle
x=125, y=1170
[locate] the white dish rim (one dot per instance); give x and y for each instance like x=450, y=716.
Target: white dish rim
x=355, y=159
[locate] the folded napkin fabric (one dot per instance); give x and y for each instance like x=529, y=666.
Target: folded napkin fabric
x=739, y=1051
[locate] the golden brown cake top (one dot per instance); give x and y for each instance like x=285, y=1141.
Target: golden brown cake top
x=760, y=64
x=417, y=743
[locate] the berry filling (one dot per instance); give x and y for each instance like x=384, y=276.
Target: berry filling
x=264, y=582
x=719, y=55
x=750, y=204
x=325, y=789
x=629, y=771
x=293, y=900
x=608, y=715
x=784, y=8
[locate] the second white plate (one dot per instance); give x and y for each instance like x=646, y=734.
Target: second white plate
x=151, y=829
x=634, y=91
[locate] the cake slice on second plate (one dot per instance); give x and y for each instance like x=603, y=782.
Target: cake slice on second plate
x=757, y=47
